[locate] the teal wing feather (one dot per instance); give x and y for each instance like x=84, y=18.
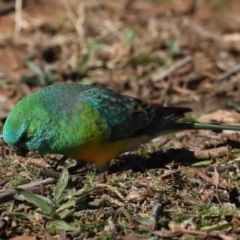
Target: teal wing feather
x=124, y=115
x=130, y=117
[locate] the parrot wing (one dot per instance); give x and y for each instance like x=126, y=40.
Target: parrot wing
x=130, y=117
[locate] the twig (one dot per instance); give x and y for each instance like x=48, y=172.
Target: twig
x=7, y=195
x=77, y=235
x=112, y=200
x=172, y=69
x=220, y=169
x=211, y=153
x=77, y=16
x=49, y=174
x=230, y=72
x=113, y=189
x=202, y=233
x=36, y=183
x=216, y=183
x=86, y=212
x=18, y=17
x=208, y=179
x=155, y=213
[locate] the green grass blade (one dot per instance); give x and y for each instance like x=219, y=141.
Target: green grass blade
x=61, y=184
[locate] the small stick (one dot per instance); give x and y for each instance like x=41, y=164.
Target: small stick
x=228, y=167
x=205, y=234
x=230, y=72
x=113, y=189
x=7, y=195
x=211, y=153
x=172, y=69
x=18, y=17
x=155, y=213
x=208, y=179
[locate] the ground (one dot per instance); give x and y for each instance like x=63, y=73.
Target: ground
x=172, y=53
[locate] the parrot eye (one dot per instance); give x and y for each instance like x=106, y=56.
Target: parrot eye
x=24, y=137
x=14, y=148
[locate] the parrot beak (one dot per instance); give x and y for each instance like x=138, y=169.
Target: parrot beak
x=20, y=152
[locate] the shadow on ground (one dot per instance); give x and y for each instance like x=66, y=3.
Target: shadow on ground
x=160, y=159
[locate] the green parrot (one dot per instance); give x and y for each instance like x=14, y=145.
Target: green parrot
x=90, y=123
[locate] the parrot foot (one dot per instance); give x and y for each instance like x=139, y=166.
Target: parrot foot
x=72, y=169
x=60, y=162
x=79, y=165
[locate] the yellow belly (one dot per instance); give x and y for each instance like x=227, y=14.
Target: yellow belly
x=101, y=152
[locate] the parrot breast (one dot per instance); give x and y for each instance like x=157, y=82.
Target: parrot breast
x=99, y=152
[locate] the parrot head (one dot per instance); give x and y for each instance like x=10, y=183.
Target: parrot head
x=16, y=130
x=23, y=130
x=15, y=134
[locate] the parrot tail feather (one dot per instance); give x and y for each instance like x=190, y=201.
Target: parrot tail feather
x=204, y=126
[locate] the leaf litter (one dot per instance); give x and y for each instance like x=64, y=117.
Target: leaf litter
x=173, y=53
